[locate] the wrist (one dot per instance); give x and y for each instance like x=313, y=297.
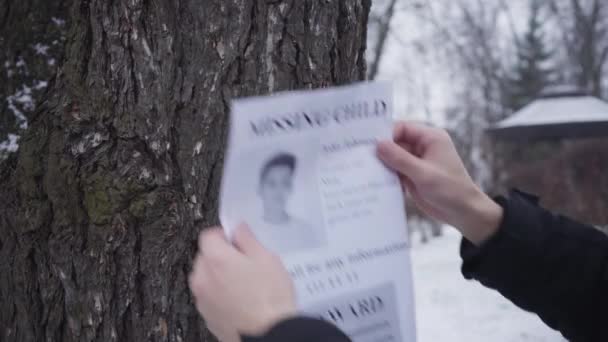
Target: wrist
x=268, y=318
x=484, y=217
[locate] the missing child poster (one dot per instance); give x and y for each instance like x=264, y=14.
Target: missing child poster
x=301, y=170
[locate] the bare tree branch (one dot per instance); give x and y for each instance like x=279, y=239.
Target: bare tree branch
x=585, y=35
x=383, y=32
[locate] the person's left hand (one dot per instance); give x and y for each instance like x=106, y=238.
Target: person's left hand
x=241, y=289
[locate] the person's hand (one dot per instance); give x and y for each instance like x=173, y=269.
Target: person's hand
x=241, y=289
x=431, y=170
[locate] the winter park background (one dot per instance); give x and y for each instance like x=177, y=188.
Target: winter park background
x=464, y=65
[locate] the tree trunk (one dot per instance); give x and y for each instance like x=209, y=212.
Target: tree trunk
x=101, y=208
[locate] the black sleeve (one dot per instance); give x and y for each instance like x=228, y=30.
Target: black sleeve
x=301, y=329
x=546, y=264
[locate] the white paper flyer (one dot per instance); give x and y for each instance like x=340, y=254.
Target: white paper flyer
x=302, y=171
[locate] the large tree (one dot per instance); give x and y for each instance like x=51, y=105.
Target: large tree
x=121, y=163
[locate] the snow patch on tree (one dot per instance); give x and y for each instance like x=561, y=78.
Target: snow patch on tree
x=197, y=148
x=19, y=102
x=10, y=145
x=90, y=141
x=41, y=49
x=9, y=72
x=145, y=174
x=20, y=63
x=39, y=85
x=58, y=21
x=23, y=102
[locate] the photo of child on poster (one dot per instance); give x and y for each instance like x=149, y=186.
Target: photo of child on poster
x=282, y=200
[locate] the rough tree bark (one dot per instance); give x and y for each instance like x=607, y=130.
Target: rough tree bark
x=101, y=207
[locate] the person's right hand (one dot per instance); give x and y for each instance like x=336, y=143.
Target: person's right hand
x=431, y=170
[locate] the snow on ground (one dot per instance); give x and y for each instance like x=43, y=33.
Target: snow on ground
x=450, y=308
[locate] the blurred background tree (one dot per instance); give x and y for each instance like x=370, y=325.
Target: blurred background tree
x=533, y=71
x=467, y=64
x=583, y=26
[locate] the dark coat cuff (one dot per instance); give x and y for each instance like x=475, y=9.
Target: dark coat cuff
x=520, y=231
x=301, y=329
x=547, y=264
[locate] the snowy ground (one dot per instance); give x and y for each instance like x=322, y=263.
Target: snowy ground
x=449, y=308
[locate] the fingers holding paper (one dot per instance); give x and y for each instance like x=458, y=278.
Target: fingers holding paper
x=225, y=281
x=431, y=169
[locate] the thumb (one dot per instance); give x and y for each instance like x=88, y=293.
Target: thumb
x=401, y=160
x=247, y=243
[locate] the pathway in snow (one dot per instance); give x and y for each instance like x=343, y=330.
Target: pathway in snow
x=449, y=308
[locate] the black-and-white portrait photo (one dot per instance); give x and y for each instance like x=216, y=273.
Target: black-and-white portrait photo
x=279, y=199
x=276, y=226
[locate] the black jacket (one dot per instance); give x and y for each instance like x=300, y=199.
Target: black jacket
x=544, y=263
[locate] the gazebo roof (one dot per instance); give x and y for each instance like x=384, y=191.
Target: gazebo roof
x=564, y=114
